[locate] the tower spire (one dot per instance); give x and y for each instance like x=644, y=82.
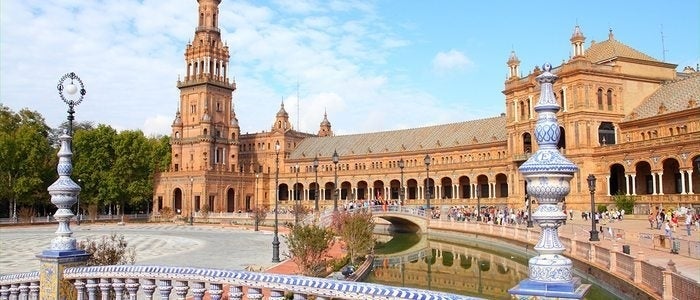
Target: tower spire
x=577, y=40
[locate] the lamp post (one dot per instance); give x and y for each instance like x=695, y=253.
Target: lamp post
x=275, y=237
x=192, y=198
x=296, y=195
x=80, y=183
x=591, y=187
x=478, y=203
x=256, y=212
x=529, y=210
x=70, y=89
x=317, y=187
x=401, y=191
x=335, y=185
x=427, y=181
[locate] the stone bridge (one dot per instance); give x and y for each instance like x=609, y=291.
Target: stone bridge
x=402, y=218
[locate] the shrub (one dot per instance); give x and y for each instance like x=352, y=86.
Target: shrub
x=625, y=202
x=108, y=250
x=308, y=247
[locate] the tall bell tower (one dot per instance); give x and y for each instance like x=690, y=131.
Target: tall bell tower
x=204, y=134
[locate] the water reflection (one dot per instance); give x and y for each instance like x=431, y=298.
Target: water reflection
x=412, y=260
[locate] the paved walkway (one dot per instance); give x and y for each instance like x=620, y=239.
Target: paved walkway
x=632, y=226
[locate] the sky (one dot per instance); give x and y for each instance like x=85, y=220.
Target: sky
x=370, y=65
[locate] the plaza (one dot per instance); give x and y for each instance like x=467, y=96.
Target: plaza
x=209, y=246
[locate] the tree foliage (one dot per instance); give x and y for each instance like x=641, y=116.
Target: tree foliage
x=308, y=247
x=625, y=202
x=26, y=158
x=356, y=230
x=111, y=167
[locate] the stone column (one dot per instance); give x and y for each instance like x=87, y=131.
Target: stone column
x=63, y=253
x=682, y=182
x=653, y=183
x=627, y=184
x=690, y=181
x=634, y=184
x=661, y=183
x=607, y=184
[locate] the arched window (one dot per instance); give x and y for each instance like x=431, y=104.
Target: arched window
x=527, y=142
x=562, y=138
x=205, y=131
x=606, y=133
x=600, y=99
x=609, y=99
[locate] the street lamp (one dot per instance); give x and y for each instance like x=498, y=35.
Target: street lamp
x=401, y=192
x=591, y=187
x=296, y=195
x=192, y=198
x=317, y=187
x=529, y=210
x=275, y=237
x=70, y=89
x=256, y=213
x=80, y=183
x=335, y=185
x=427, y=181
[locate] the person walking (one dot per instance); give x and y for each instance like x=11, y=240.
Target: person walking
x=688, y=222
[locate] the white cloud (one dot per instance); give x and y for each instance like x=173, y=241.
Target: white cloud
x=130, y=57
x=450, y=61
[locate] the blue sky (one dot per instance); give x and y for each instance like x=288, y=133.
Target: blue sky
x=372, y=65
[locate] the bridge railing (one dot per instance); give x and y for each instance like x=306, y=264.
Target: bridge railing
x=662, y=282
x=126, y=281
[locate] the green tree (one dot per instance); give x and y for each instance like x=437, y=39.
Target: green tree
x=94, y=157
x=132, y=171
x=308, y=247
x=26, y=159
x=625, y=202
x=357, y=231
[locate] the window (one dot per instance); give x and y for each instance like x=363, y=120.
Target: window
x=609, y=100
x=606, y=133
x=600, y=99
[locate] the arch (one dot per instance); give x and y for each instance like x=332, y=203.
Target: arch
x=643, y=181
x=484, y=265
x=606, y=133
x=465, y=261
x=346, y=190
x=298, y=191
x=177, y=201
x=522, y=110
x=378, y=186
x=394, y=189
x=562, y=138
x=465, y=187
x=230, y=202
x=501, y=185
x=671, y=177
x=599, y=96
x=447, y=258
x=362, y=190
x=412, y=189
x=482, y=186
x=695, y=180
x=205, y=131
x=609, y=99
x=446, y=188
x=283, y=190
x=429, y=187
x=328, y=190
x=527, y=142
x=617, y=180
x=313, y=191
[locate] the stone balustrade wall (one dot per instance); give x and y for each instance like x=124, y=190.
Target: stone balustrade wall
x=658, y=282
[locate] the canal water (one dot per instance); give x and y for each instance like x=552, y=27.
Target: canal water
x=417, y=261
